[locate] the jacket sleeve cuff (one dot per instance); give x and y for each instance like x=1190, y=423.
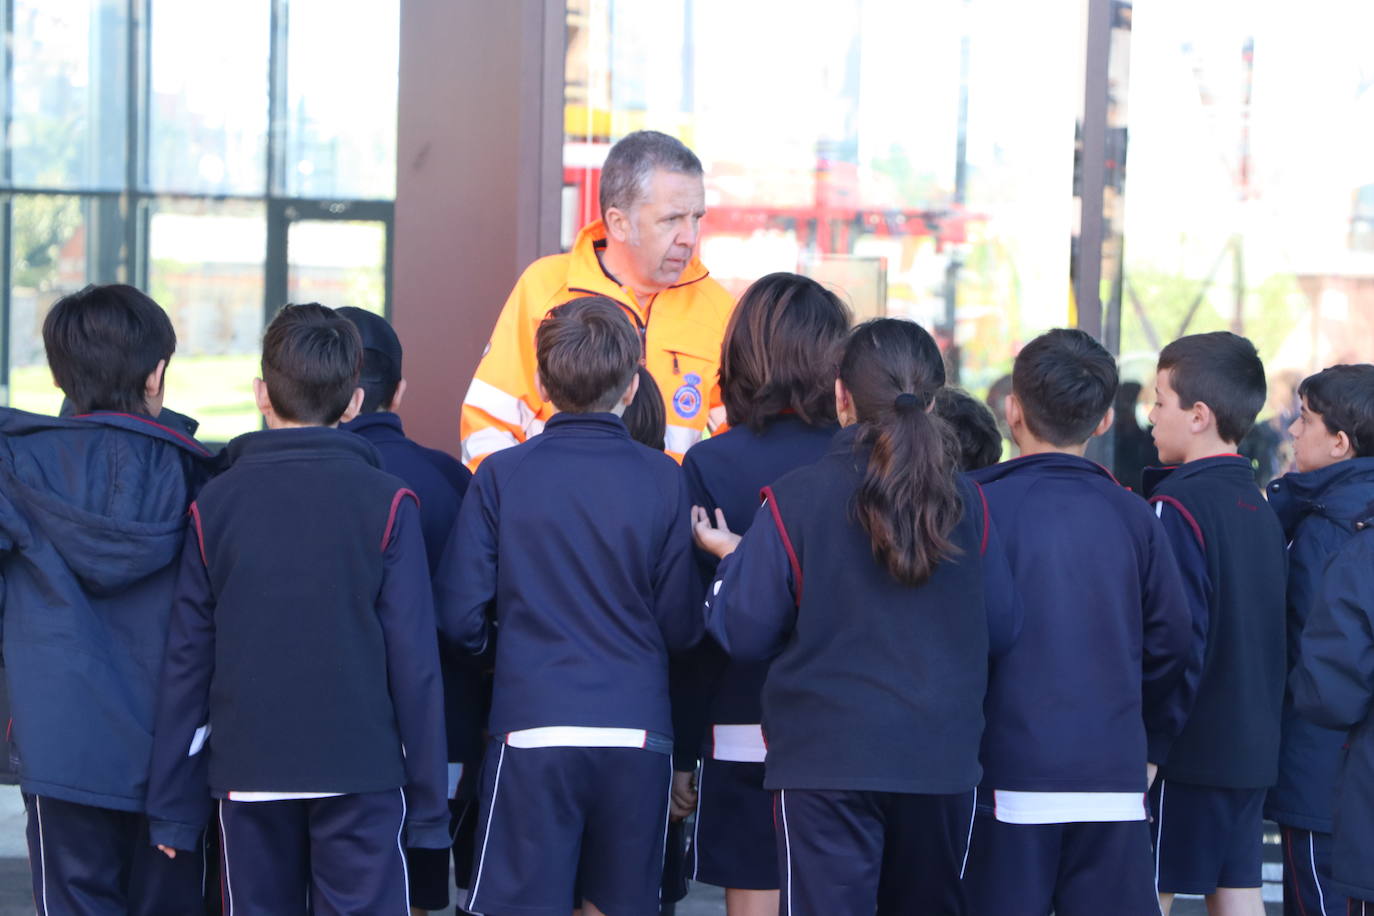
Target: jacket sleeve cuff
x=1157, y=745
x=428, y=835
x=178, y=836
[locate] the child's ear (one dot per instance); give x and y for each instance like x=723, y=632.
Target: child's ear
x=631, y=391
x=152, y=385
x=844, y=404
x=395, y=404
x=260, y=397
x=1341, y=447
x=539, y=386
x=355, y=404
x=1201, y=417
x=1106, y=423
x=1011, y=409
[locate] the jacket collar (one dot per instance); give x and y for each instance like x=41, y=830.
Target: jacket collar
x=1153, y=478
x=1342, y=490
x=586, y=275
x=168, y=426
x=383, y=425
x=1043, y=463
x=315, y=442
x=577, y=423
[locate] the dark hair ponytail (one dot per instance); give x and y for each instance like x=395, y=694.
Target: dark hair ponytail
x=908, y=502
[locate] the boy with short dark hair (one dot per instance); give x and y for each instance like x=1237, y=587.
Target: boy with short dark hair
x=1231, y=548
x=1096, y=685
x=92, y=518
x=1320, y=505
x=1333, y=685
x=439, y=481
x=301, y=680
x=974, y=426
x=578, y=542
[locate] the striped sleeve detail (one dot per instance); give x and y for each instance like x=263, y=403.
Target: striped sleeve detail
x=1159, y=501
x=391, y=516
x=771, y=501
x=200, y=533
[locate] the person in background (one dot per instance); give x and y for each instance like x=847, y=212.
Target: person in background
x=777, y=380
x=92, y=519
x=1320, y=505
x=439, y=481
x=974, y=428
x=640, y=255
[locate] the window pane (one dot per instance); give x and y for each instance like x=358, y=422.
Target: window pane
x=337, y=263
x=833, y=147
x=1249, y=189
x=341, y=98
x=49, y=261
x=205, y=267
x=69, y=97
x=208, y=115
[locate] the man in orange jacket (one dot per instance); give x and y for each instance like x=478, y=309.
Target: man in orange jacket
x=641, y=255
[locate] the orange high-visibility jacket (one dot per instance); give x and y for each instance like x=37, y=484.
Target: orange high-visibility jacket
x=682, y=327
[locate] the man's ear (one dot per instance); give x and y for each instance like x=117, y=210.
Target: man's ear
x=355, y=404
x=618, y=224
x=395, y=405
x=1106, y=422
x=261, y=398
x=152, y=385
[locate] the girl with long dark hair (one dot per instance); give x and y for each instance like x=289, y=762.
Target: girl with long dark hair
x=875, y=583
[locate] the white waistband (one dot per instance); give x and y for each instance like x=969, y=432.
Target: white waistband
x=1068, y=807
x=577, y=736
x=738, y=743
x=279, y=796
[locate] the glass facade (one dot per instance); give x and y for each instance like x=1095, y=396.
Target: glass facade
x=224, y=176
x=926, y=159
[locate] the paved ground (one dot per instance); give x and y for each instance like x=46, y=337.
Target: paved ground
x=16, y=898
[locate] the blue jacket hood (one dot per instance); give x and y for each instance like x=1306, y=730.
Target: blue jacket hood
x=66, y=482
x=1340, y=492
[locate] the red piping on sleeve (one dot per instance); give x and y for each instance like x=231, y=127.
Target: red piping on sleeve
x=391, y=516
x=200, y=533
x=772, y=501
x=987, y=520
x=1187, y=517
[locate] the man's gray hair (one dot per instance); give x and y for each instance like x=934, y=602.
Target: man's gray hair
x=634, y=159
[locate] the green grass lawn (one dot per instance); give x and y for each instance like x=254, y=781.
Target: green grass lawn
x=216, y=390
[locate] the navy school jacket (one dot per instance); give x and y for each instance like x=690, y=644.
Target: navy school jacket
x=1333, y=685
x=577, y=546
x=874, y=685
x=1319, y=511
x=1096, y=684
x=440, y=481
x=92, y=519
x=303, y=653
x=727, y=472
x=1223, y=531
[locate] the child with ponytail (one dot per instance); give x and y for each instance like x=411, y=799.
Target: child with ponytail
x=875, y=583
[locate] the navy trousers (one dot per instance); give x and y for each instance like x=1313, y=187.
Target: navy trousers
x=89, y=861
x=339, y=856
x=843, y=853
x=1307, y=874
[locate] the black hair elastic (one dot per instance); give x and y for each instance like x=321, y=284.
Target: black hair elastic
x=906, y=402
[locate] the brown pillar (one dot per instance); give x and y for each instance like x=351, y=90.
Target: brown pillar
x=478, y=178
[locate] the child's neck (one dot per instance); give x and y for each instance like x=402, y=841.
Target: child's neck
x=1208, y=445
x=1028, y=444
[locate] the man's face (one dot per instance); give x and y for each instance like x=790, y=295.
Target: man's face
x=659, y=235
x=1314, y=446
x=1172, y=423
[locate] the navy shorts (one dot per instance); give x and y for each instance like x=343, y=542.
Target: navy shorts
x=556, y=821
x=1206, y=837
x=890, y=853
x=1073, y=869
x=1307, y=874
x=733, y=842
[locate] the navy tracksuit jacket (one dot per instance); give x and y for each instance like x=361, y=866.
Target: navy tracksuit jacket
x=1333, y=685
x=1103, y=658
x=727, y=472
x=1319, y=511
x=92, y=519
x=596, y=581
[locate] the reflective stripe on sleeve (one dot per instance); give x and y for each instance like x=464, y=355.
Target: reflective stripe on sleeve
x=485, y=441
x=678, y=439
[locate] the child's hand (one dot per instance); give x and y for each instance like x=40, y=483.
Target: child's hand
x=168, y=851
x=684, y=794
x=715, y=539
